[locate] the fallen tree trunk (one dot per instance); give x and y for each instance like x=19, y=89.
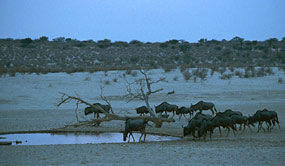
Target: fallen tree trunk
x=109, y=116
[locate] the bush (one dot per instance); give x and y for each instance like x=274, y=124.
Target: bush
x=121, y=44
x=269, y=71
x=173, y=41
x=222, y=70
x=107, y=82
x=104, y=43
x=115, y=80
x=12, y=73
x=201, y=73
x=187, y=75
x=43, y=38
x=218, y=48
x=26, y=41
x=226, y=52
x=232, y=69
x=226, y=76
x=182, y=68
x=134, y=73
x=261, y=72
x=87, y=79
x=128, y=71
x=168, y=68
x=280, y=81
x=246, y=74
x=163, y=45
x=136, y=42
x=184, y=48
x=239, y=74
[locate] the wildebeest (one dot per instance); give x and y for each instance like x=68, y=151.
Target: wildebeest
x=242, y=121
x=182, y=111
x=166, y=107
x=96, y=111
x=194, y=124
x=199, y=115
x=225, y=122
x=270, y=117
x=134, y=125
x=229, y=112
x=201, y=105
x=206, y=126
x=142, y=110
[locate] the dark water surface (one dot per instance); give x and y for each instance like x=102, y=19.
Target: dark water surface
x=76, y=138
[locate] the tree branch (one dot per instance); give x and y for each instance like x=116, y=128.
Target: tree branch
x=105, y=99
x=67, y=98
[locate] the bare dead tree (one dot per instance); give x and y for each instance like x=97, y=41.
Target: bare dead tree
x=143, y=90
x=105, y=99
x=109, y=116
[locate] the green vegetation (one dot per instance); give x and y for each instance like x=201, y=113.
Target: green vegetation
x=70, y=55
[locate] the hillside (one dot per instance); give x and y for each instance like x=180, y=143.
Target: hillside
x=70, y=55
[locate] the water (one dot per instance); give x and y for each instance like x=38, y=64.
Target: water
x=76, y=138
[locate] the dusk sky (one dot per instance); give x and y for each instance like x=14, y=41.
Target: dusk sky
x=144, y=20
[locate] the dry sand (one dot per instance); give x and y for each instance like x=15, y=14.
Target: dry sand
x=244, y=149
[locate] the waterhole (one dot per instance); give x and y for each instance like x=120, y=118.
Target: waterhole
x=75, y=138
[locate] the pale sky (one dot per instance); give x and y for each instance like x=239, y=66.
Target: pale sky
x=144, y=20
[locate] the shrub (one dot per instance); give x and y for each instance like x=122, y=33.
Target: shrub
x=136, y=42
x=104, y=43
x=87, y=79
x=187, y=75
x=226, y=52
x=115, y=80
x=239, y=74
x=107, y=82
x=121, y=44
x=134, y=73
x=12, y=73
x=260, y=72
x=43, y=38
x=218, y=48
x=163, y=45
x=212, y=72
x=182, y=68
x=269, y=71
x=163, y=79
x=173, y=41
x=128, y=71
x=280, y=81
x=202, y=73
x=168, y=68
x=222, y=70
x=226, y=76
x=26, y=41
x=184, y=48
x=246, y=73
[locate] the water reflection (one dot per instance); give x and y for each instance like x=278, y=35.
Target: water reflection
x=76, y=138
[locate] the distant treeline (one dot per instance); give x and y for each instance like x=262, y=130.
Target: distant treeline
x=70, y=55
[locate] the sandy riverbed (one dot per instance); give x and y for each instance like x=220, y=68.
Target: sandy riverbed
x=30, y=106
